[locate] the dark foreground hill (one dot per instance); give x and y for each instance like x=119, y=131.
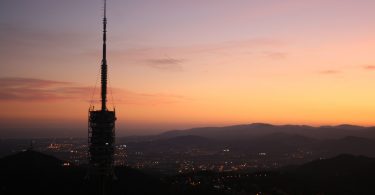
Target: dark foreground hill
x=342, y=175
x=32, y=172
x=35, y=173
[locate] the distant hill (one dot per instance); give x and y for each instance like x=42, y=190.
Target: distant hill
x=349, y=144
x=259, y=129
x=255, y=138
x=270, y=143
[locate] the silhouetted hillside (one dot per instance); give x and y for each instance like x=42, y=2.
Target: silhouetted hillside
x=32, y=172
x=30, y=159
x=260, y=129
x=350, y=145
x=344, y=174
x=339, y=165
x=277, y=143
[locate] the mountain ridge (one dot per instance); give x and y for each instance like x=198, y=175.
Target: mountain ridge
x=244, y=131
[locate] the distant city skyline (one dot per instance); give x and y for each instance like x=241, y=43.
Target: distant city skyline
x=183, y=64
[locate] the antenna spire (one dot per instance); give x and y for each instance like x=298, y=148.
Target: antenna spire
x=105, y=8
x=104, y=61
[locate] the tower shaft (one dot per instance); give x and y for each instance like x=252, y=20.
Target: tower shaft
x=104, y=67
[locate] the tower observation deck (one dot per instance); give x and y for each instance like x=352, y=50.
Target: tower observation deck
x=101, y=132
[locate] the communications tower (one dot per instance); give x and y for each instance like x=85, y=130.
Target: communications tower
x=101, y=132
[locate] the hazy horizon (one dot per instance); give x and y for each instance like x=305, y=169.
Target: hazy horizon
x=76, y=132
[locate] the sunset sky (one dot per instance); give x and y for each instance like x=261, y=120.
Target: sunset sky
x=176, y=64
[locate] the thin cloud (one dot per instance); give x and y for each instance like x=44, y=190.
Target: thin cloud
x=14, y=82
x=170, y=64
x=329, y=72
x=369, y=67
x=30, y=89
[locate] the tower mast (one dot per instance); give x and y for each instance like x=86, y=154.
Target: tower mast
x=104, y=67
x=101, y=132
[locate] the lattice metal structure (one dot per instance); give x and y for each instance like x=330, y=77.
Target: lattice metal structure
x=101, y=143
x=101, y=133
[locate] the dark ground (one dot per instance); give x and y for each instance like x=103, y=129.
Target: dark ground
x=31, y=172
